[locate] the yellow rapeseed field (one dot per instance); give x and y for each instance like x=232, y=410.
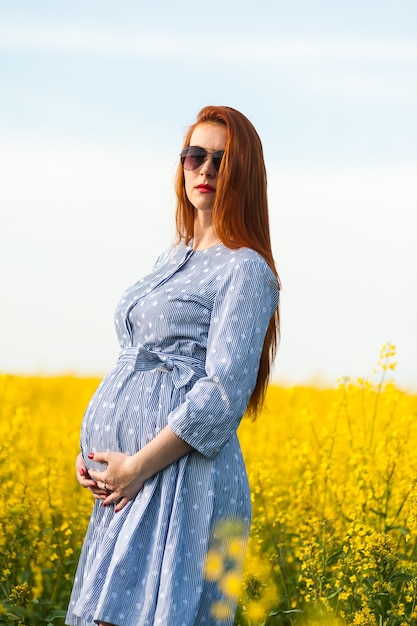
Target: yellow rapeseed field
x=333, y=474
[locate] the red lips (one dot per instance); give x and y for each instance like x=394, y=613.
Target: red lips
x=205, y=188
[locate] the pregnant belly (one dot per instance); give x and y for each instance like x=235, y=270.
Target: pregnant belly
x=128, y=410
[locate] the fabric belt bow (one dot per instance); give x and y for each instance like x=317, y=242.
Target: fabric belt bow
x=182, y=368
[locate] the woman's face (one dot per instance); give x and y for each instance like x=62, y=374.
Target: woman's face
x=201, y=183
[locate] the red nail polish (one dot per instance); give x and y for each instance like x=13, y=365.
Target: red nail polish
x=91, y=455
x=82, y=471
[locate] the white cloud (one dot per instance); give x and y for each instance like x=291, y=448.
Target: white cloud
x=269, y=50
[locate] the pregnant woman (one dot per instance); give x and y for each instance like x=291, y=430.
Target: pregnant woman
x=159, y=449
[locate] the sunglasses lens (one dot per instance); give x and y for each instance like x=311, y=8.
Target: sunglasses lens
x=217, y=159
x=193, y=157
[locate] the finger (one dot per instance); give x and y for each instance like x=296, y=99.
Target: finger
x=93, y=485
x=121, y=504
x=83, y=471
x=87, y=482
x=111, y=498
x=96, y=489
x=79, y=461
x=99, y=457
x=97, y=495
x=97, y=476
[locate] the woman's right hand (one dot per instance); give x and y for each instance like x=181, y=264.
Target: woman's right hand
x=86, y=481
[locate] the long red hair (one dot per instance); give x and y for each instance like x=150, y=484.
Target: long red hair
x=240, y=213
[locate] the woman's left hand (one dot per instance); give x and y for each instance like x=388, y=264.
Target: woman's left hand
x=121, y=479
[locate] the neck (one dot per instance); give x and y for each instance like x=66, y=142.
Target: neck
x=204, y=238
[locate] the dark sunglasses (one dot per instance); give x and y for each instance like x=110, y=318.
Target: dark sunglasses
x=193, y=157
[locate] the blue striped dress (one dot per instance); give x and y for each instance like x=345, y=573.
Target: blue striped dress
x=191, y=335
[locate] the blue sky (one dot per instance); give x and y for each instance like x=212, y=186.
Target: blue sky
x=95, y=98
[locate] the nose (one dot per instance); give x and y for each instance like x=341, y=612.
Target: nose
x=208, y=169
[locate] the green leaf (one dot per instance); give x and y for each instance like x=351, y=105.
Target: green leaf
x=333, y=558
x=400, y=577
x=334, y=593
x=287, y=612
x=53, y=615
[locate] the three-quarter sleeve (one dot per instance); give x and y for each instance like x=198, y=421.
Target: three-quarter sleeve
x=245, y=301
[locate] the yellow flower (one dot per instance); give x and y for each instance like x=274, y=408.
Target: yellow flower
x=20, y=595
x=364, y=618
x=220, y=610
x=235, y=548
x=255, y=612
x=230, y=585
x=214, y=566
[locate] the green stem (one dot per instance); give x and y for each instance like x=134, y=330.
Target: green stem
x=276, y=549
